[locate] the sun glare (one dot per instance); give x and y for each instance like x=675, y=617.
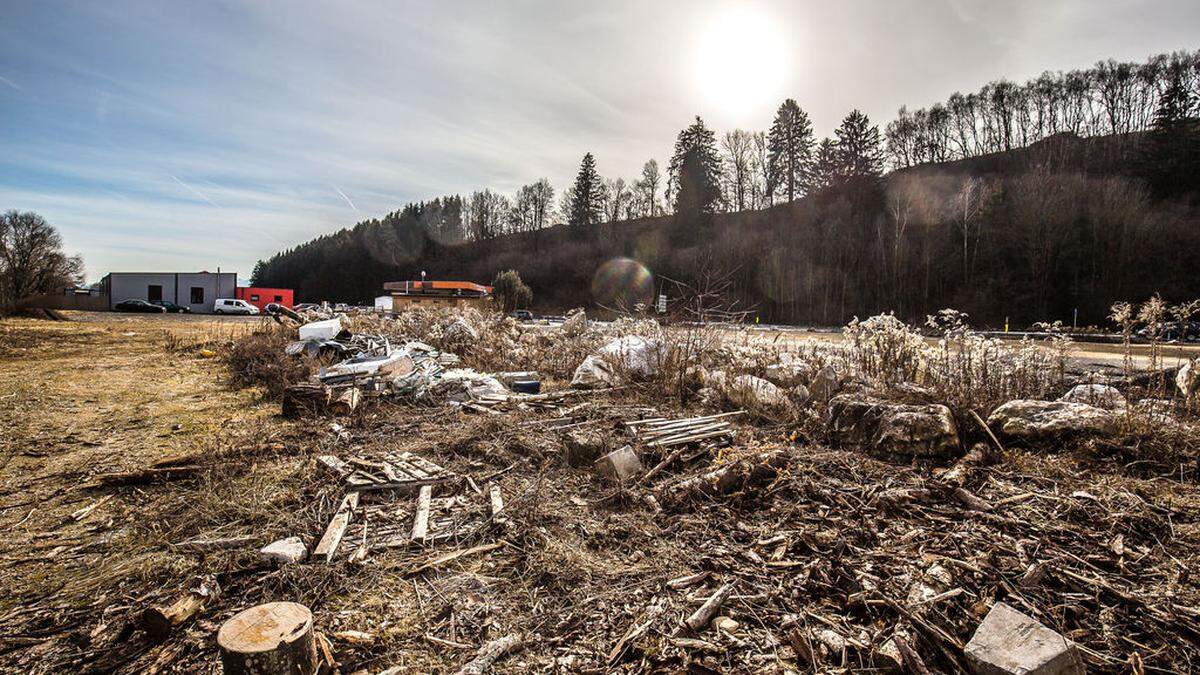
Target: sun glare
x=741, y=60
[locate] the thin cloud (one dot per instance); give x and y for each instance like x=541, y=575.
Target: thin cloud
x=343, y=194
x=10, y=83
x=194, y=191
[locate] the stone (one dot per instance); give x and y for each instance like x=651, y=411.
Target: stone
x=898, y=429
x=786, y=373
x=1099, y=395
x=594, y=373
x=285, y=551
x=825, y=384
x=575, y=324
x=755, y=393
x=1011, y=643
x=1032, y=421
x=1188, y=379
x=620, y=465
x=584, y=446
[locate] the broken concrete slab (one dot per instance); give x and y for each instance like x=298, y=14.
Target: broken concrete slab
x=621, y=465
x=1032, y=421
x=285, y=551
x=322, y=330
x=755, y=393
x=1011, y=643
x=1188, y=379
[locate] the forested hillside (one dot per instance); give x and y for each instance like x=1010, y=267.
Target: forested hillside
x=1019, y=202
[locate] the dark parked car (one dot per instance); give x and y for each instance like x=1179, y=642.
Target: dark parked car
x=522, y=315
x=138, y=306
x=171, y=307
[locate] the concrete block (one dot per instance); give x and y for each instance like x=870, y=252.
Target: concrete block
x=620, y=465
x=1011, y=643
x=284, y=551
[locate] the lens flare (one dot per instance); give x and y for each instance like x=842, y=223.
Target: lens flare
x=622, y=283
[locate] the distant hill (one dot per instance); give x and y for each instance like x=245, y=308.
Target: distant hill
x=1048, y=229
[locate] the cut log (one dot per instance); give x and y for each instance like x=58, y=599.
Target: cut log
x=733, y=476
x=160, y=621
x=336, y=529
x=346, y=402
x=700, y=618
x=271, y=639
x=490, y=653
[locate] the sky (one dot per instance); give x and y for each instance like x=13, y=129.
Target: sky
x=185, y=136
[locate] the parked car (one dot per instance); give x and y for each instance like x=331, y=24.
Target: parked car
x=231, y=306
x=132, y=305
x=522, y=315
x=305, y=306
x=1175, y=331
x=171, y=307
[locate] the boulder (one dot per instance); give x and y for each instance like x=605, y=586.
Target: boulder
x=594, y=373
x=1030, y=420
x=1099, y=395
x=1188, y=379
x=1011, y=643
x=755, y=393
x=899, y=429
x=633, y=354
x=786, y=373
x=460, y=332
x=584, y=446
x=285, y=551
x=825, y=384
x=620, y=465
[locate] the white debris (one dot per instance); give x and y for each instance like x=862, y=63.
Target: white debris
x=755, y=393
x=284, y=551
x=1011, y=643
x=321, y=330
x=1188, y=378
x=620, y=465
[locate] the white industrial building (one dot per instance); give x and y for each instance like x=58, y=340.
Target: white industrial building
x=194, y=290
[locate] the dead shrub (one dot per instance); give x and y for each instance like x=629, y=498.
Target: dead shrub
x=259, y=360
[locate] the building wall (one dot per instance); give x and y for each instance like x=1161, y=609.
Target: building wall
x=260, y=297
x=176, y=287
x=400, y=302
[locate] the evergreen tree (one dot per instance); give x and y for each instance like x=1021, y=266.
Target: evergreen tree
x=827, y=168
x=790, y=144
x=1171, y=149
x=860, y=147
x=586, y=198
x=259, y=273
x=701, y=143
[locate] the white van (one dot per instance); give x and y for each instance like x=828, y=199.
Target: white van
x=229, y=306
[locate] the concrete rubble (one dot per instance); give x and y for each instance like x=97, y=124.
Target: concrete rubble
x=898, y=429
x=1098, y=395
x=285, y=551
x=1011, y=643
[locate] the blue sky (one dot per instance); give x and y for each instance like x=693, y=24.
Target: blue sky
x=195, y=135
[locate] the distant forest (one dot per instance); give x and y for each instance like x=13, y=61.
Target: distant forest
x=1018, y=202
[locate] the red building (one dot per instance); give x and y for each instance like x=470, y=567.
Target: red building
x=261, y=297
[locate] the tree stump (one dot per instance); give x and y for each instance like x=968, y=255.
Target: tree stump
x=271, y=639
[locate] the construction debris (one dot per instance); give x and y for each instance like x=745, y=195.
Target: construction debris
x=285, y=551
x=1010, y=643
x=620, y=465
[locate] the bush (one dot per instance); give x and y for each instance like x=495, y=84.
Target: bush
x=511, y=291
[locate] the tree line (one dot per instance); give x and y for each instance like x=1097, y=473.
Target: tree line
x=812, y=230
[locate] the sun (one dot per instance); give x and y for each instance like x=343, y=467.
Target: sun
x=741, y=60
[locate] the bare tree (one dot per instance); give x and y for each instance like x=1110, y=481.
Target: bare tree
x=738, y=148
x=647, y=189
x=486, y=214
x=31, y=258
x=616, y=197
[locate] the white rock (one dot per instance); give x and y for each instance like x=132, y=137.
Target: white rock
x=1188, y=378
x=576, y=323
x=825, y=384
x=755, y=393
x=633, y=354
x=594, y=373
x=1030, y=420
x=1099, y=395
x=284, y=551
x=1010, y=643
x=893, y=428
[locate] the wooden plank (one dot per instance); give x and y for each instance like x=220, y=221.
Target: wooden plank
x=497, y=504
x=327, y=547
x=421, y=519
x=333, y=465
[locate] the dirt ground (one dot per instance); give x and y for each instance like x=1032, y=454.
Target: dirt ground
x=832, y=542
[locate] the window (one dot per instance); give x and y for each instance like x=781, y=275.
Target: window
x=197, y=295
x=279, y=298
x=154, y=293
x=254, y=297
